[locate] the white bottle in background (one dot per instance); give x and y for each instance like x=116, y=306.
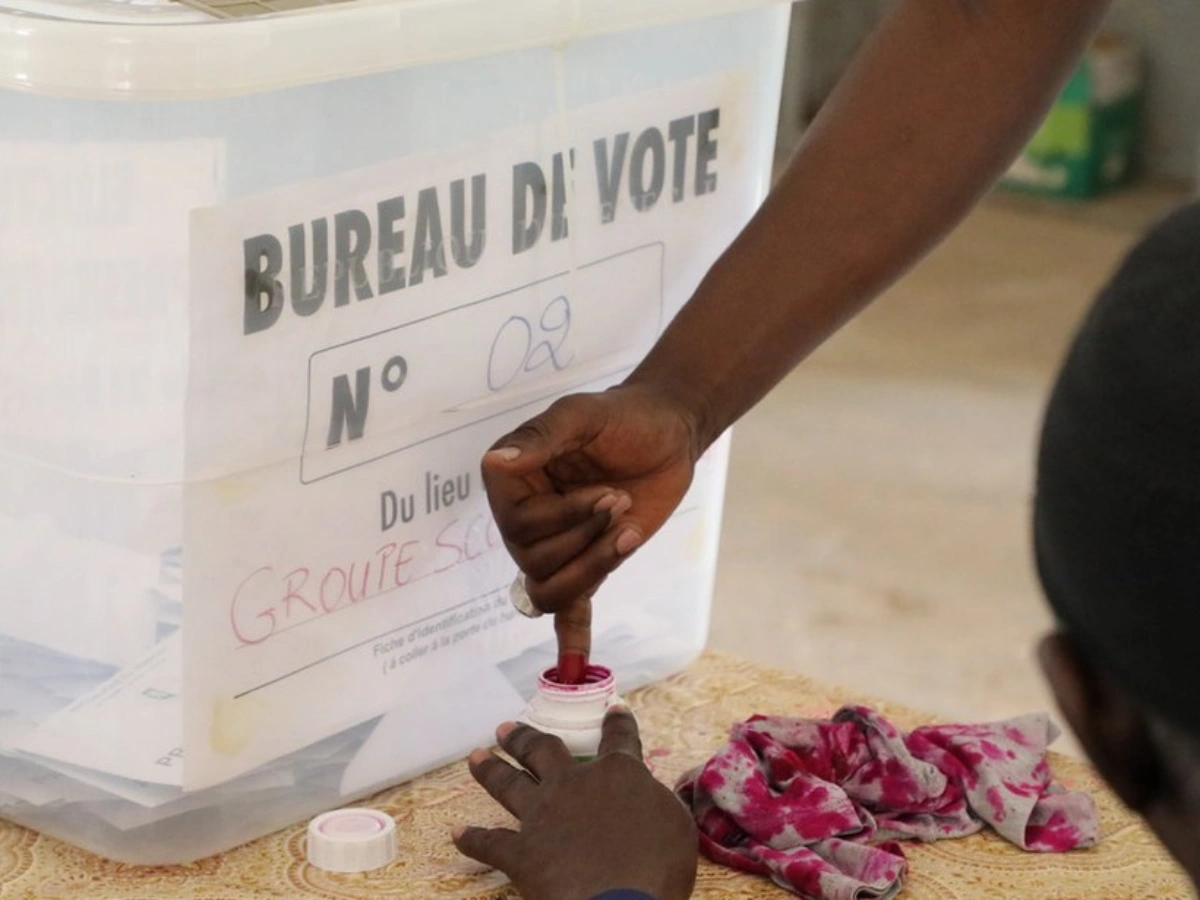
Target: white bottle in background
x=573, y=712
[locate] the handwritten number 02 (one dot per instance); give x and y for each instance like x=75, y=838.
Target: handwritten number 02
x=553, y=326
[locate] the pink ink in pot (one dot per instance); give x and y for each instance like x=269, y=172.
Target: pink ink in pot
x=572, y=668
x=589, y=675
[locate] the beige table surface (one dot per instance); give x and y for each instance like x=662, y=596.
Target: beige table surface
x=683, y=720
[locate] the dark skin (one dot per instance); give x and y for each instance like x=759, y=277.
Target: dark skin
x=933, y=110
x=591, y=827
x=586, y=827
x=1113, y=729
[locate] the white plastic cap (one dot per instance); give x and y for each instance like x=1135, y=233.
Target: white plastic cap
x=351, y=840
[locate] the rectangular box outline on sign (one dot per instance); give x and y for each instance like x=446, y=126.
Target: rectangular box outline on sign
x=611, y=361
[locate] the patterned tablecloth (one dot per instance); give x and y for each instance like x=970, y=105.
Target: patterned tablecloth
x=683, y=720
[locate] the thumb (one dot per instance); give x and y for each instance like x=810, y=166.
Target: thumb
x=567, y=425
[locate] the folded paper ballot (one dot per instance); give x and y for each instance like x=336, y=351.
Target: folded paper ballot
x=131, y=726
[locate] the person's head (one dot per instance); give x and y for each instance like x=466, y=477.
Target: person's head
x=1117, y=534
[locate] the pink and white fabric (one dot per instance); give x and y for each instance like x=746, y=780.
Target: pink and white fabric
x=819, y=805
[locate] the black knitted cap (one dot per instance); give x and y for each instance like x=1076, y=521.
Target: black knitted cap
x=1117, y=516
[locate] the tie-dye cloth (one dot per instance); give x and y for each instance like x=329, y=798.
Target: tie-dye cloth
x=819, y=805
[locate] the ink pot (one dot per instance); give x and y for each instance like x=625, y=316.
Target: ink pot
x=573, y=712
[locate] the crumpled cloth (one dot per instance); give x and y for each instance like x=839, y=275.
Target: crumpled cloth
x=818, y=805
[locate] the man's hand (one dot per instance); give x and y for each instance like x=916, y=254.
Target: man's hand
x=586, y=827
x=577, y=489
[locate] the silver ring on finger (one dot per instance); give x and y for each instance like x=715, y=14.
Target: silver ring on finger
x=520, y=598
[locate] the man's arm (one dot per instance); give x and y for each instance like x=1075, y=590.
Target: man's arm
x=934, y=108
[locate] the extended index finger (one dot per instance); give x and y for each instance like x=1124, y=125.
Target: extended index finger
x=573, y=628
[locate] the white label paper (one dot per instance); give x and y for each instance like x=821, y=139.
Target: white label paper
x=357, y=343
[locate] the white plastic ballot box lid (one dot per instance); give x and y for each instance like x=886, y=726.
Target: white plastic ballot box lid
x=130, y=12
x=186, y=127
x=160, y=49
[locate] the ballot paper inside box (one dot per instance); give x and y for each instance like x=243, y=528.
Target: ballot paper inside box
x=261, y=317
